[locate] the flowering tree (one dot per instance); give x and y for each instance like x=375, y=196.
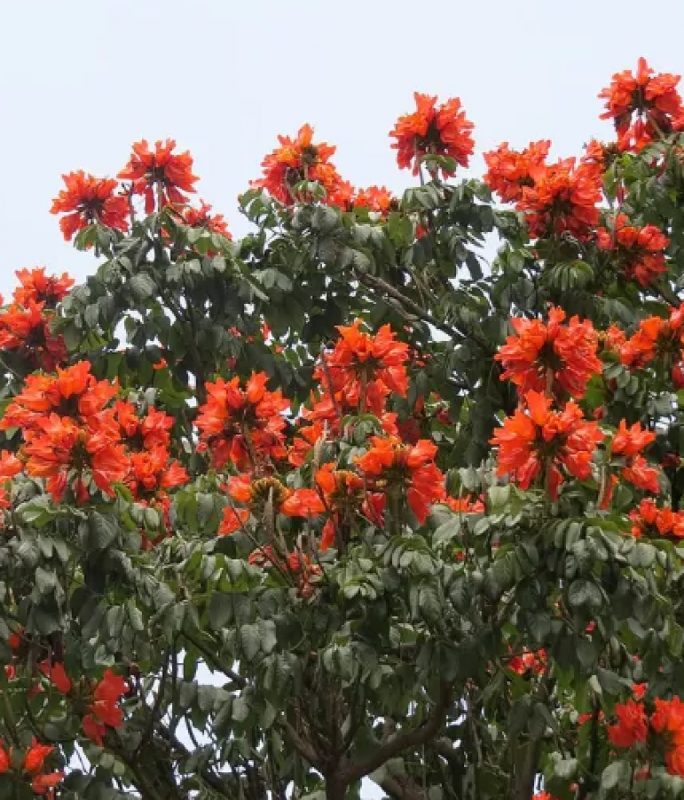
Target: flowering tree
x=343, y=501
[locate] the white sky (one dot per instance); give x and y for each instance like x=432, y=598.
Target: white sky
x=80, y=80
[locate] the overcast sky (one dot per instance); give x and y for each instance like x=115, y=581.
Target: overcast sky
x=80, y=80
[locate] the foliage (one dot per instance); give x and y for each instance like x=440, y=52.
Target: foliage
x=342, y=500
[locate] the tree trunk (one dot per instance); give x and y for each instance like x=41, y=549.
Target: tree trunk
x=526, y=770
x=335, y=788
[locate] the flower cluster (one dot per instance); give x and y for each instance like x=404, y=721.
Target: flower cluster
x=86, y=200
x=377, y=199
x=391, y=465
x=510, y=171
x=556, y=358
x=642, y=105
x=298, y=160
x=638, y=251
x=104, y=710
x=528, y=661
x=628, y=444
x=247, y=432
x=362, y=370
x=32, y=768
x=160, y=175
x=665, y=723
x=433, y=130
x=201, y=217
x=556, y=198
x=101, y=700
x=78, y=440
x=655, y=338
x=243, y=426
x=540, y=442
x=650, y=520
x=26, y=324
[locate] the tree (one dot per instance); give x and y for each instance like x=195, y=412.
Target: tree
x=342, y=499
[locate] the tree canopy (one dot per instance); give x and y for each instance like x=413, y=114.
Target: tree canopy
x=348, y=498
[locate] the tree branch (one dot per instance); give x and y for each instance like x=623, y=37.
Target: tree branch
x=305, y=749
x=404, y=740
x=374, y=282
x=402, y=787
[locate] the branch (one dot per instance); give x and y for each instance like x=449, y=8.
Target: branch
x=404, y=740
x=402, y=786
x=211, y=779
x=305, y=749
x=374, y=282
x=212, y=659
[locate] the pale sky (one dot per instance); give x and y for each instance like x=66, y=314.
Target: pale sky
x=80, y=80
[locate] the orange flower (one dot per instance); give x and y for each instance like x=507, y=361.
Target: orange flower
x=364, y=368
x=37, y=287
x=242, y=426
x=649, y=520
x=409, y=467
x=10, y=465
x=35, y=756
x=556, y=357
x=653, y=98
x=599, y=155
x=529, y=661
x=375, y=198
x=537, y=433
x=344, y=494
x=562, y=200
x=668, y=721
x=511, y=170
x=45, y=784
x=160, y=171
x=639, y=690
x=26, y=331
x=257, y=494
x=150, y=431
x=465, y=505
x=642, y=475
x=203, y=218
x=630, y=441
x=151, y=470
x=655, y=338
x=674, y=761
x=303, y=503
x=86, y=200
x=61, y=451
x=433, y=130
x=104, y=709
x=71, y=389
x=233, y=519
x=639, y=251
x=631, y=727
x=56, y=674
x=4, y=760
x=298, y=160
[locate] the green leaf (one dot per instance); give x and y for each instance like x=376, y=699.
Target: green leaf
x=220, y=610
x=584, y=593
x=617, y=773
x=250, y=640
x=142, y=286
